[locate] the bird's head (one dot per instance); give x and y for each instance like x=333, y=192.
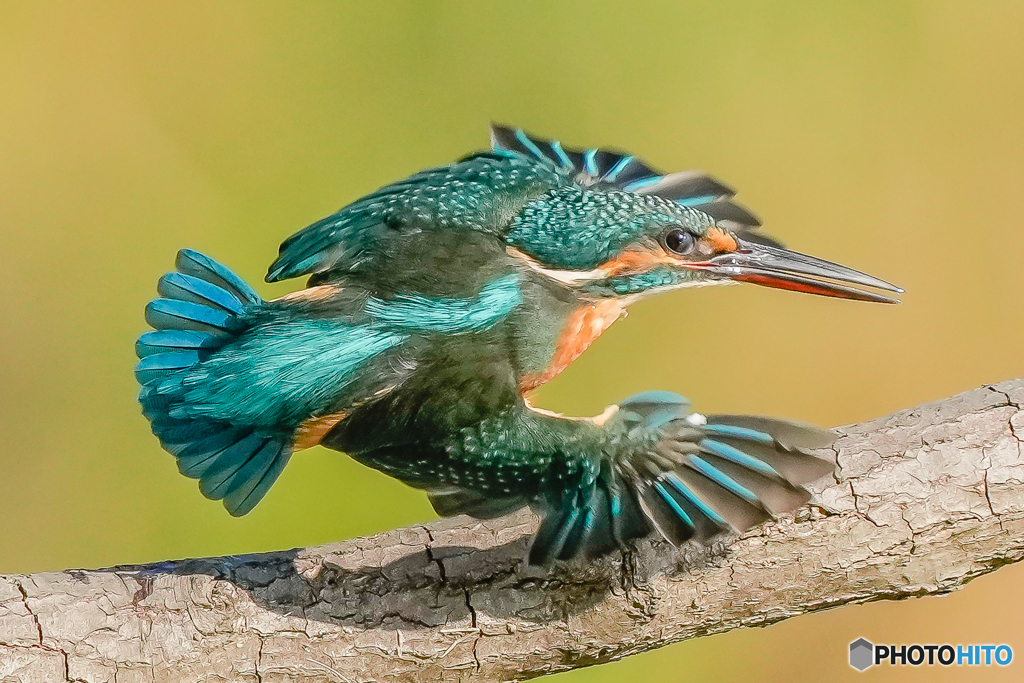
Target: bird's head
x=622, y=229
x=615, y=243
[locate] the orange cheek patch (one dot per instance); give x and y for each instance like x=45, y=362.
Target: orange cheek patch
x=637, y=261
x=581, y=329
x=720, y=241
x=313, y=430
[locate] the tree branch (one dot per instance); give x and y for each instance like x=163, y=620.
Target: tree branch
x=924, y=501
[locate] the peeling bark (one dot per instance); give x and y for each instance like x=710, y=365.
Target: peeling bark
x=923, y=501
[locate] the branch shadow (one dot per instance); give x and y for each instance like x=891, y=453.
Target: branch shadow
x=432, y=587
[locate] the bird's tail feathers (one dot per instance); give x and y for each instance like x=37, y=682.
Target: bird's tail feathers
x=701, y=477
x=202, y=307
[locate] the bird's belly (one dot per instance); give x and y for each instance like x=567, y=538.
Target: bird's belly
x=582, y=327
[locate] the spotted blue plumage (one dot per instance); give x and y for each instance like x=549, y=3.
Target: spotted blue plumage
x=479, y=193
x=600, y=224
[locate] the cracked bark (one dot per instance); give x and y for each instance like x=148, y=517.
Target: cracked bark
x=923, y=501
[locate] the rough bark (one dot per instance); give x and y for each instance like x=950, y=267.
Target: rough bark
x=923, y=501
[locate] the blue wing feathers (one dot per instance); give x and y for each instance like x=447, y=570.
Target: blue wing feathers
x=546, y=544
x=625, y=521
x=579, y=530
x=195, y=316
x=185, y=433
x=530, y=148
x=721, y=479
x=182, y=287
x=560, y=157
x=231, y=461
x=589, y=522
x=195, y=465
x=735, y=432
x=788, y=434
x=702, y=522
x=201, y=450
x=203, y=307
x=794, y=466
x=549, y=543
x=162, y=341
x=205, y=268
x=246, y=494
x=622, y=171
x=226, y=402
x=416, y=313
x=670, y=499
x=480, y=192
x=660, y=507
x=735, y=455
x=774, y=493
x=170, y=314
x=690, y=497
x=683, y=186
x=169, y=360
x=721, y=495
x=706, y=476
x=158, y=365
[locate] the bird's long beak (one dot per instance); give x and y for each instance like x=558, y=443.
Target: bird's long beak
x=784, y=269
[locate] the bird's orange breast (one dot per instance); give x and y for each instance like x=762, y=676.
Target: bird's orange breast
x=584, y=325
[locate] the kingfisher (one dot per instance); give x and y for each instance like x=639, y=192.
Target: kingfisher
x=435, y=305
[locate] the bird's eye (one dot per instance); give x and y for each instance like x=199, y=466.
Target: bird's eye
x=679, y=241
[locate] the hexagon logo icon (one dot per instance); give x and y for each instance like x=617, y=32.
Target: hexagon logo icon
x=861, y=654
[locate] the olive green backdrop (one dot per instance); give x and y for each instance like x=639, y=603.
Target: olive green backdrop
x=888, y=136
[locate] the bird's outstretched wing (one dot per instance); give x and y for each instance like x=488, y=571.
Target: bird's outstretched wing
x=203, y=308
x=650, y=465
x=233, y=384
x=698, y=478
x=622, y=171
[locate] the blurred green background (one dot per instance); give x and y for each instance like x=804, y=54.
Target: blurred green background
x=888, y=136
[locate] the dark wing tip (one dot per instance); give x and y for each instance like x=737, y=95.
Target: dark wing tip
x=540, y=149
x=502, y=136
x=623, y=171
x=724, y=210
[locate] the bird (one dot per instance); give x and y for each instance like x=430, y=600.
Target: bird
x=435, y=305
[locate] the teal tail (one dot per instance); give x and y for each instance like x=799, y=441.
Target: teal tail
x=203, y=307
x=702, y=477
